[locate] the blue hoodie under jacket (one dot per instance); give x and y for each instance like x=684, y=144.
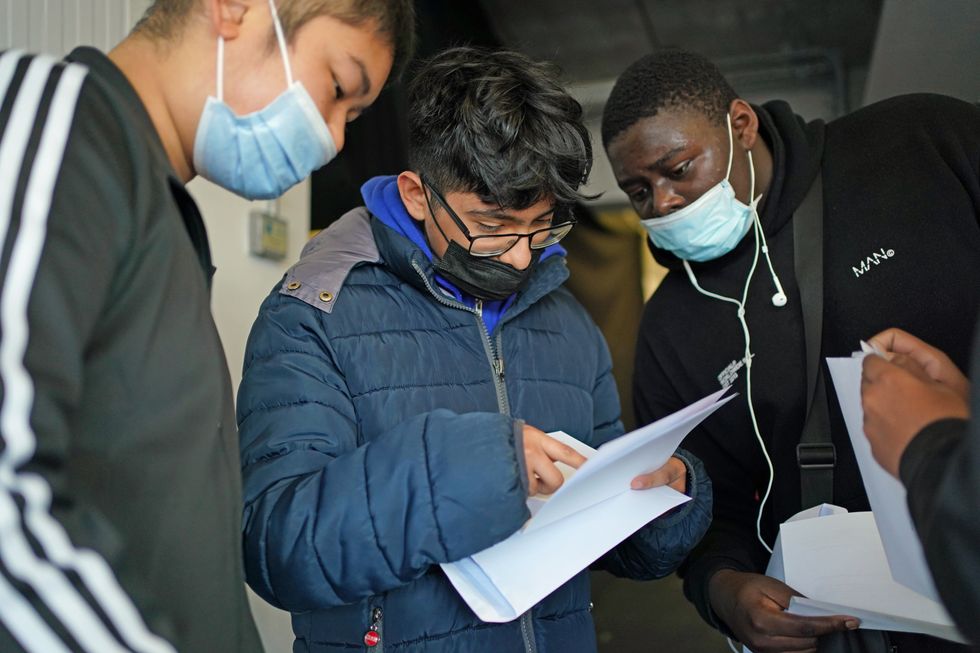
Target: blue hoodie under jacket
x=380, y=425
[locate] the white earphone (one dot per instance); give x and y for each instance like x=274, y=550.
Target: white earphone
x=779, y=300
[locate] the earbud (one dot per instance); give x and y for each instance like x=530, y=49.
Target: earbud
x=779, y=299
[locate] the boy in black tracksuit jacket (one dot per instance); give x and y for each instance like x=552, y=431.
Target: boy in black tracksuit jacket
x=901, y=247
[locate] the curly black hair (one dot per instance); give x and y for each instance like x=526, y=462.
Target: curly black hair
x=665, y=79
x=498, y=124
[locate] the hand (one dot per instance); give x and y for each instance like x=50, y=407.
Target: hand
x=540, y=453
x=900, y=398
x=899, y=345
x=753, y=606
x=672, y=474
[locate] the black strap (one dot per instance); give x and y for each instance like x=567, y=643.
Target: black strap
x=815, y=452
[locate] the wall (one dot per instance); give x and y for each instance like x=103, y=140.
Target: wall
x=923, y=45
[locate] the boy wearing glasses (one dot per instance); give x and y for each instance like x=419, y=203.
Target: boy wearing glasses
x=399, y=382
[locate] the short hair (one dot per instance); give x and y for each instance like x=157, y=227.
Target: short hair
x=395, y=20
x=498, y=124
x=666, y=79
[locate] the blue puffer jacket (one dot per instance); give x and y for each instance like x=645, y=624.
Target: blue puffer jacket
x=380, y=436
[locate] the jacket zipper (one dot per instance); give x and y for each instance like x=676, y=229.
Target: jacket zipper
x=494, y=356
x=374, y=637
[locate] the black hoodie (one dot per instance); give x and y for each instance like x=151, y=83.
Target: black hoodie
x=901, y=248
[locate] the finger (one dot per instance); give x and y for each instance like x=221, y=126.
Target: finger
x=549, y=477
x=672, y=472
x=872, y=368
x=532, y=483
x=912, y=366
x=561, y=452
x=792, y=625
x=896, y=340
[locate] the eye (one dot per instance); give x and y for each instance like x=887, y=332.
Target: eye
x=639, y=195
x=488, y=228
x=679, y=171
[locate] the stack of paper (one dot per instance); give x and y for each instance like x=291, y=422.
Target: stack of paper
x=868, y=565
x=592, y=512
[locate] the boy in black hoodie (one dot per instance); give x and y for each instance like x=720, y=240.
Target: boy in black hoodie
x=718, y=184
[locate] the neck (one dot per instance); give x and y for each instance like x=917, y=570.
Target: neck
x=168, y=89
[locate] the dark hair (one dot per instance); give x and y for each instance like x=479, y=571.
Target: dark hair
x=497, y=124
x=395, y=20
x=666, y=79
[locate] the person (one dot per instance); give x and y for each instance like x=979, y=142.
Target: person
x=719, y=185
x=920, y=419
x=399, y=382
x=120, y=498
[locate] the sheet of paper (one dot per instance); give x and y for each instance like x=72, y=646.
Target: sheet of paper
x=505, y=580
x=528, y=566
x=838, y=562
x=885, y=493
x=616, y=463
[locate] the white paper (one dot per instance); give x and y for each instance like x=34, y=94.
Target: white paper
x=885, y=492
x=617, y=462
x=837, y=562
x=504, y=581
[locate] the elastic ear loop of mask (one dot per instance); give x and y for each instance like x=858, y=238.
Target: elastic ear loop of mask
x=280, y=37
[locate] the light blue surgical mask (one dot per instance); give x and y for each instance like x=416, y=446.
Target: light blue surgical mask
x=263, y=154
x=710, y=226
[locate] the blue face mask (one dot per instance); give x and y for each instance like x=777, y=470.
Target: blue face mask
x=712, y=225
x=263, y=154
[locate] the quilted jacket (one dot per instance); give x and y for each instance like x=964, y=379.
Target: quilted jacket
x=380, y=429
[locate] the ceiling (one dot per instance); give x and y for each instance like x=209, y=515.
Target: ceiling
x=595, y=40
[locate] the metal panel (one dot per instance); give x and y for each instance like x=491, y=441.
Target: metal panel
x=57, y=26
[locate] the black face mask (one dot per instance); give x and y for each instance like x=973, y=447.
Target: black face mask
x=482, y=277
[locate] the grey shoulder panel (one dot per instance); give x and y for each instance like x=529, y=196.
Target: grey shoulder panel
x=318, y=277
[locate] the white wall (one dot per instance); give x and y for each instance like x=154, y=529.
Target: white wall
x=242, y=281
x=57, y=26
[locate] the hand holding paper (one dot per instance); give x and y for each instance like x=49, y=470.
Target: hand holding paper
x=904, y=390
x=593, y=511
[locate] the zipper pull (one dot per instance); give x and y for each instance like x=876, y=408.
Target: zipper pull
x=479, y=307
x=372, y=637
x=498, y=368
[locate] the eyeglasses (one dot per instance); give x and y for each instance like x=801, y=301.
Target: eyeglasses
x=497, y=244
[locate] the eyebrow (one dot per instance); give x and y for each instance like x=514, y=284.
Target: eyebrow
x=499, y=214
x=656, y=164
x=666, y=157
x=365, y=80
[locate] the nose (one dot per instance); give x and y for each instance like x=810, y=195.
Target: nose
x=666, y=201
x=337, y=124
x=518, y=256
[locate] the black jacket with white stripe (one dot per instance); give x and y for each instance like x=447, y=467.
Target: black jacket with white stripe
x=901, y=182
x=119, y=485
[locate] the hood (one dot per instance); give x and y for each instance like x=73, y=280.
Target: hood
x=797, y=150
x=383, y=200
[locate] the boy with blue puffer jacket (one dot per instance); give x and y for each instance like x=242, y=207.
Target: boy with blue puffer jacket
x=399, y=382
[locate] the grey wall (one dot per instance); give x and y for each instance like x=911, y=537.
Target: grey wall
x=926, y=45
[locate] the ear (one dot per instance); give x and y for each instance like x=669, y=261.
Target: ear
x=226, y=17
x=412, y=192
x=745, y=123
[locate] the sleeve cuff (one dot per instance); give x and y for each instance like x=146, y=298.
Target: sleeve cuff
x=936, y=438
x=519, y=453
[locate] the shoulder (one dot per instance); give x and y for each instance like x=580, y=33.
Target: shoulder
x=318, y=279
x=914, y=113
